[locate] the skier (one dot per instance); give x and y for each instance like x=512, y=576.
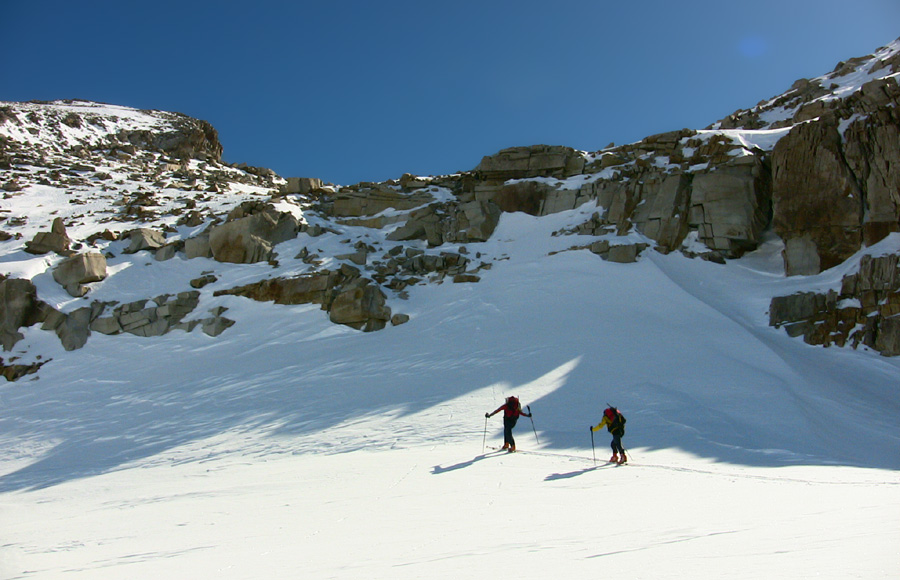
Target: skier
x=614, y=421
x=511, y=412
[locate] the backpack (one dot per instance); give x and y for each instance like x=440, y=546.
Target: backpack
x=512, y=407
x=616, y=419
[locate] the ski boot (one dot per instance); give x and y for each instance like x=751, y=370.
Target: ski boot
x=614, y=458
x=622, y=459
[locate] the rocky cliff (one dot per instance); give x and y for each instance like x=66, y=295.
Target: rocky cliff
x=90, y=190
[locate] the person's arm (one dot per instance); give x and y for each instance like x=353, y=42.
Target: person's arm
x=602, y=424
x=500, y=408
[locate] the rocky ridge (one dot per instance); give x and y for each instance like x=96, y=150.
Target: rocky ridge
x=817, y=165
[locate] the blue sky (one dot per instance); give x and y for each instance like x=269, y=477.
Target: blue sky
x=354, y=91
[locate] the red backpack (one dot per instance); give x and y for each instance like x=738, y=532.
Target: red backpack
x=512, y=407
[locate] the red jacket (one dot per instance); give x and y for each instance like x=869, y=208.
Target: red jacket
x=511, y=411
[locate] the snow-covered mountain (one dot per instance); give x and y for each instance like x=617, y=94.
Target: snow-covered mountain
x=195, y=394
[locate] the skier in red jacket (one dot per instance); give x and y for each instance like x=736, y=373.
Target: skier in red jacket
x=511, y=412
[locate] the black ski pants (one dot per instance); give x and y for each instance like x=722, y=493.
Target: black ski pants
x=508, y=424
x=617, y=444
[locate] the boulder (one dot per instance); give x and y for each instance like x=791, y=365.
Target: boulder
x=300, y=185
x=361, y=305
x=251, y=239
x=625, y=253
x=203, y=281
x=80, y=269
x=166, y=252
x=216, y=326
x=398, y=319
x=56, y=240
x=144, y=239
x=197, y=247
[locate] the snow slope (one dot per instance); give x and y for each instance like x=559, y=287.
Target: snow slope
x=289, y=447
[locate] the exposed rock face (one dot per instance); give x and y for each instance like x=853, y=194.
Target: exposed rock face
x=731, y=207
x=815, y=198
x=835, y=175
x=19, y=306
x=872, y=151
x=141, y=319
x=536, y=161
x=188, y=139
x=865, y=311
x=830, y=184
x=374, y=198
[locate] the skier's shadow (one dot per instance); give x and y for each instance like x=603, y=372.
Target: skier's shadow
x=571, y=474
x=438, y=469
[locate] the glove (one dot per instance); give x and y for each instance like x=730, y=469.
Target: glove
x=487, y=415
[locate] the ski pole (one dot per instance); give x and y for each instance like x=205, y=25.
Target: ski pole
x=593, y=452
x=484, y=439
x=532, y=425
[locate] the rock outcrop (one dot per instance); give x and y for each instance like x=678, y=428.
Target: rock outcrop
x=251, y=234
x=19, y=307
x=818, y=165
x=865, y=311
x=349, y=299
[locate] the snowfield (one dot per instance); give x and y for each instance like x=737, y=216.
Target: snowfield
x=290, y=447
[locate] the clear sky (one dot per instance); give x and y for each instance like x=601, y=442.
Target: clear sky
x=354, y=90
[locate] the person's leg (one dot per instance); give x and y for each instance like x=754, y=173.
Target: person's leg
x=618, y=449
x=508, y=424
